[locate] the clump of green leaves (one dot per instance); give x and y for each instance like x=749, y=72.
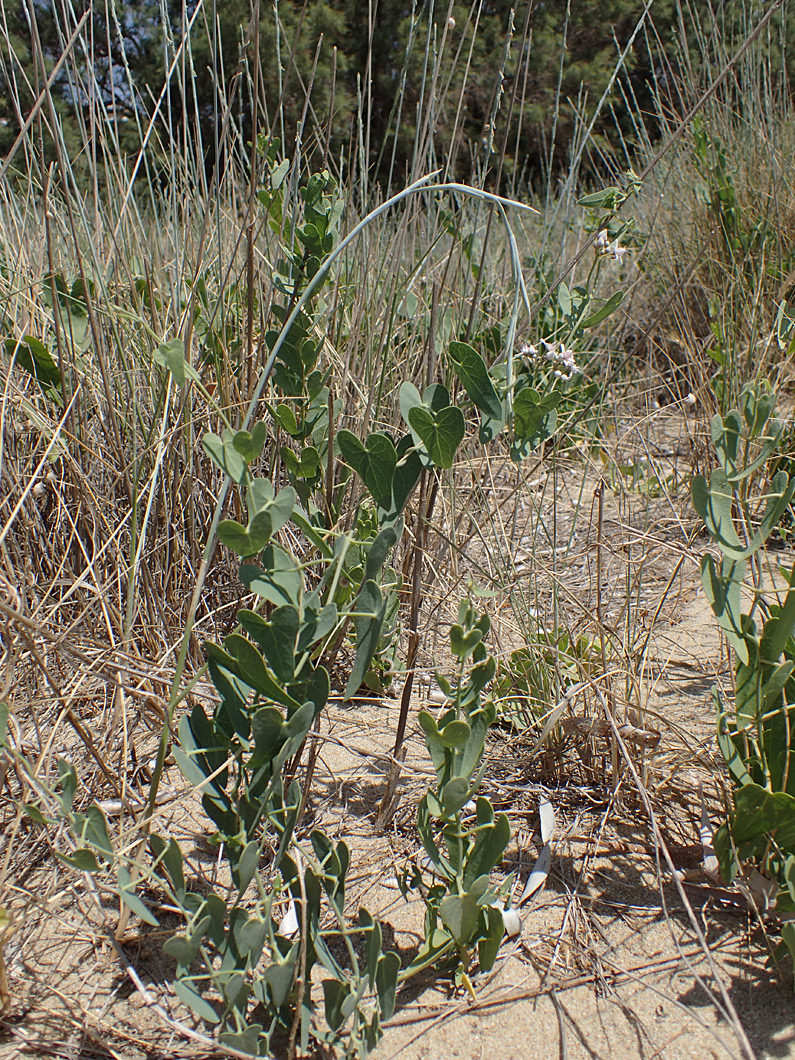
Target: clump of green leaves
x=322, y=588
x=756, y=736
x=540, y=673
x=462, y=837
x=235, y=957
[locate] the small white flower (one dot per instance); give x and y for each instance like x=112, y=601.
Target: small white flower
x=606, y=249
x=555, y=354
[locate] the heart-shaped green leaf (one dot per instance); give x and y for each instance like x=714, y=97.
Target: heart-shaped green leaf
x=726, y=433
x=259, y=495
x=455, y=794
x=246, y=541
x=722, y=589
x=336, y=996
x=386, y=978
x=279, y=976
x=315, y=624
x=454, y=734
x=260, y=498
x=407, y=474
x=436, y=397
x=290, y=461
x=285, y=417
x=310, y=462
x=757, y=404
x=471, y=369
x=714, y=504
x=93, y=829
x=378, y=552
x=243, y=871
x=181, y=949
x=489, y=947
x=267, y=729
x=535, y=420
x=473, y=751
x=245, y=1041
x=223, y=454
x=460, y=916
x=171, y=356
x=490, y=845
x=490, y=428
x=373, y=937
x=249, y=445
x=36, y=359
x=441, y=432
x=315, y=691
x=409, y=398
x=463, y=644
x=427, y=723
x=374, y=463
x=305, y=466
x=759, y=812
x=266, y=517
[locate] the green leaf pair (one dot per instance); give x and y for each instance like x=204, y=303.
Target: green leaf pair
x=390, y=473
x=437, y=427
x=267, y=515
x=714, y=503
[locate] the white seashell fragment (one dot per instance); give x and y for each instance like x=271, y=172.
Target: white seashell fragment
x=289, y=923
x=512, y=922
x=111, y=807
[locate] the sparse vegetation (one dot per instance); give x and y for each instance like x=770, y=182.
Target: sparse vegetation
x=346, y=538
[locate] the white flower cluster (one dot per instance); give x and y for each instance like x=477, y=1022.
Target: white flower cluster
x=555, y=353
x=606, y=249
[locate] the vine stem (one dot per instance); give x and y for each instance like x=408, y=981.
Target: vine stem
x=389, y=802
x=423, y=184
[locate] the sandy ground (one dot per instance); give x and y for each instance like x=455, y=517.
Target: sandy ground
x=609, y=962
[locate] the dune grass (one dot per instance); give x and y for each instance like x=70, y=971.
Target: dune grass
x=108, y=498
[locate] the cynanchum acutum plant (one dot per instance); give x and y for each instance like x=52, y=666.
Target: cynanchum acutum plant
x=250, y=950
x=756, y=735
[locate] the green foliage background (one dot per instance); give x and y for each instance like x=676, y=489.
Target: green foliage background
x=560, y=63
